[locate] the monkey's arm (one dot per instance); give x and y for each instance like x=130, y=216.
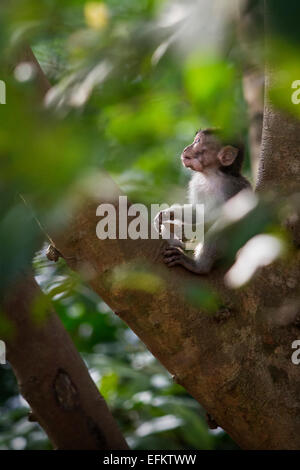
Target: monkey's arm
x=174, y=229
x=234, y=185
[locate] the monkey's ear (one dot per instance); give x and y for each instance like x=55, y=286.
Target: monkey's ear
x=227, y=155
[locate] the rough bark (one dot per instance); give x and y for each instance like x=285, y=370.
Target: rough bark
x=253, y=86
x=280, y=162
x=53, y=378
x=250, y=32
x=279, y=166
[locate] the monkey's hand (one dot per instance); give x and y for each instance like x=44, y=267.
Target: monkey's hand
x=169, y=227
x=162, y=218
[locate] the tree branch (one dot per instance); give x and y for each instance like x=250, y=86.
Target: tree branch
x=229, y=366
x=52, y=376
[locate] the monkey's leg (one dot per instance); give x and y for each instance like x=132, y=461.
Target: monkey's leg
x=176, y=242
x=202, y=264
x=174, y=256
x=207, y=256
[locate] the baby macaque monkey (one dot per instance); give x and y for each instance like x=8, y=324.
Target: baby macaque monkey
x=216, y=178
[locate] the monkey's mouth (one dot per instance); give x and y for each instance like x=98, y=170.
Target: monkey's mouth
x=191, y=163
x=186, y=161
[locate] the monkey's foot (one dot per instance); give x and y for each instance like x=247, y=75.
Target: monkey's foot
x=174, y=256
x=176, y=242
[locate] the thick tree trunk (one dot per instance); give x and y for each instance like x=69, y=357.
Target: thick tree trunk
x=253, y=86
x=279, y=166
x=250, y=31
x=280, y=158
x=53, y=378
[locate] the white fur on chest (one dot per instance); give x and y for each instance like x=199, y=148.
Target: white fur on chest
x=208, y=190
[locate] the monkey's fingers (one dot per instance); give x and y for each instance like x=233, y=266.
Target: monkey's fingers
x=173, y=260
x=170, y=250
x=171, y=257
x=176, y=262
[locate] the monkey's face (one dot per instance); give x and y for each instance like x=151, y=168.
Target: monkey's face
x=202, y=154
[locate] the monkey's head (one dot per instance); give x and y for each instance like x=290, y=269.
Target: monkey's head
x=208, y=153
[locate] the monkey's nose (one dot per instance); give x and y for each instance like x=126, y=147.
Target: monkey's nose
x=188, y=147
